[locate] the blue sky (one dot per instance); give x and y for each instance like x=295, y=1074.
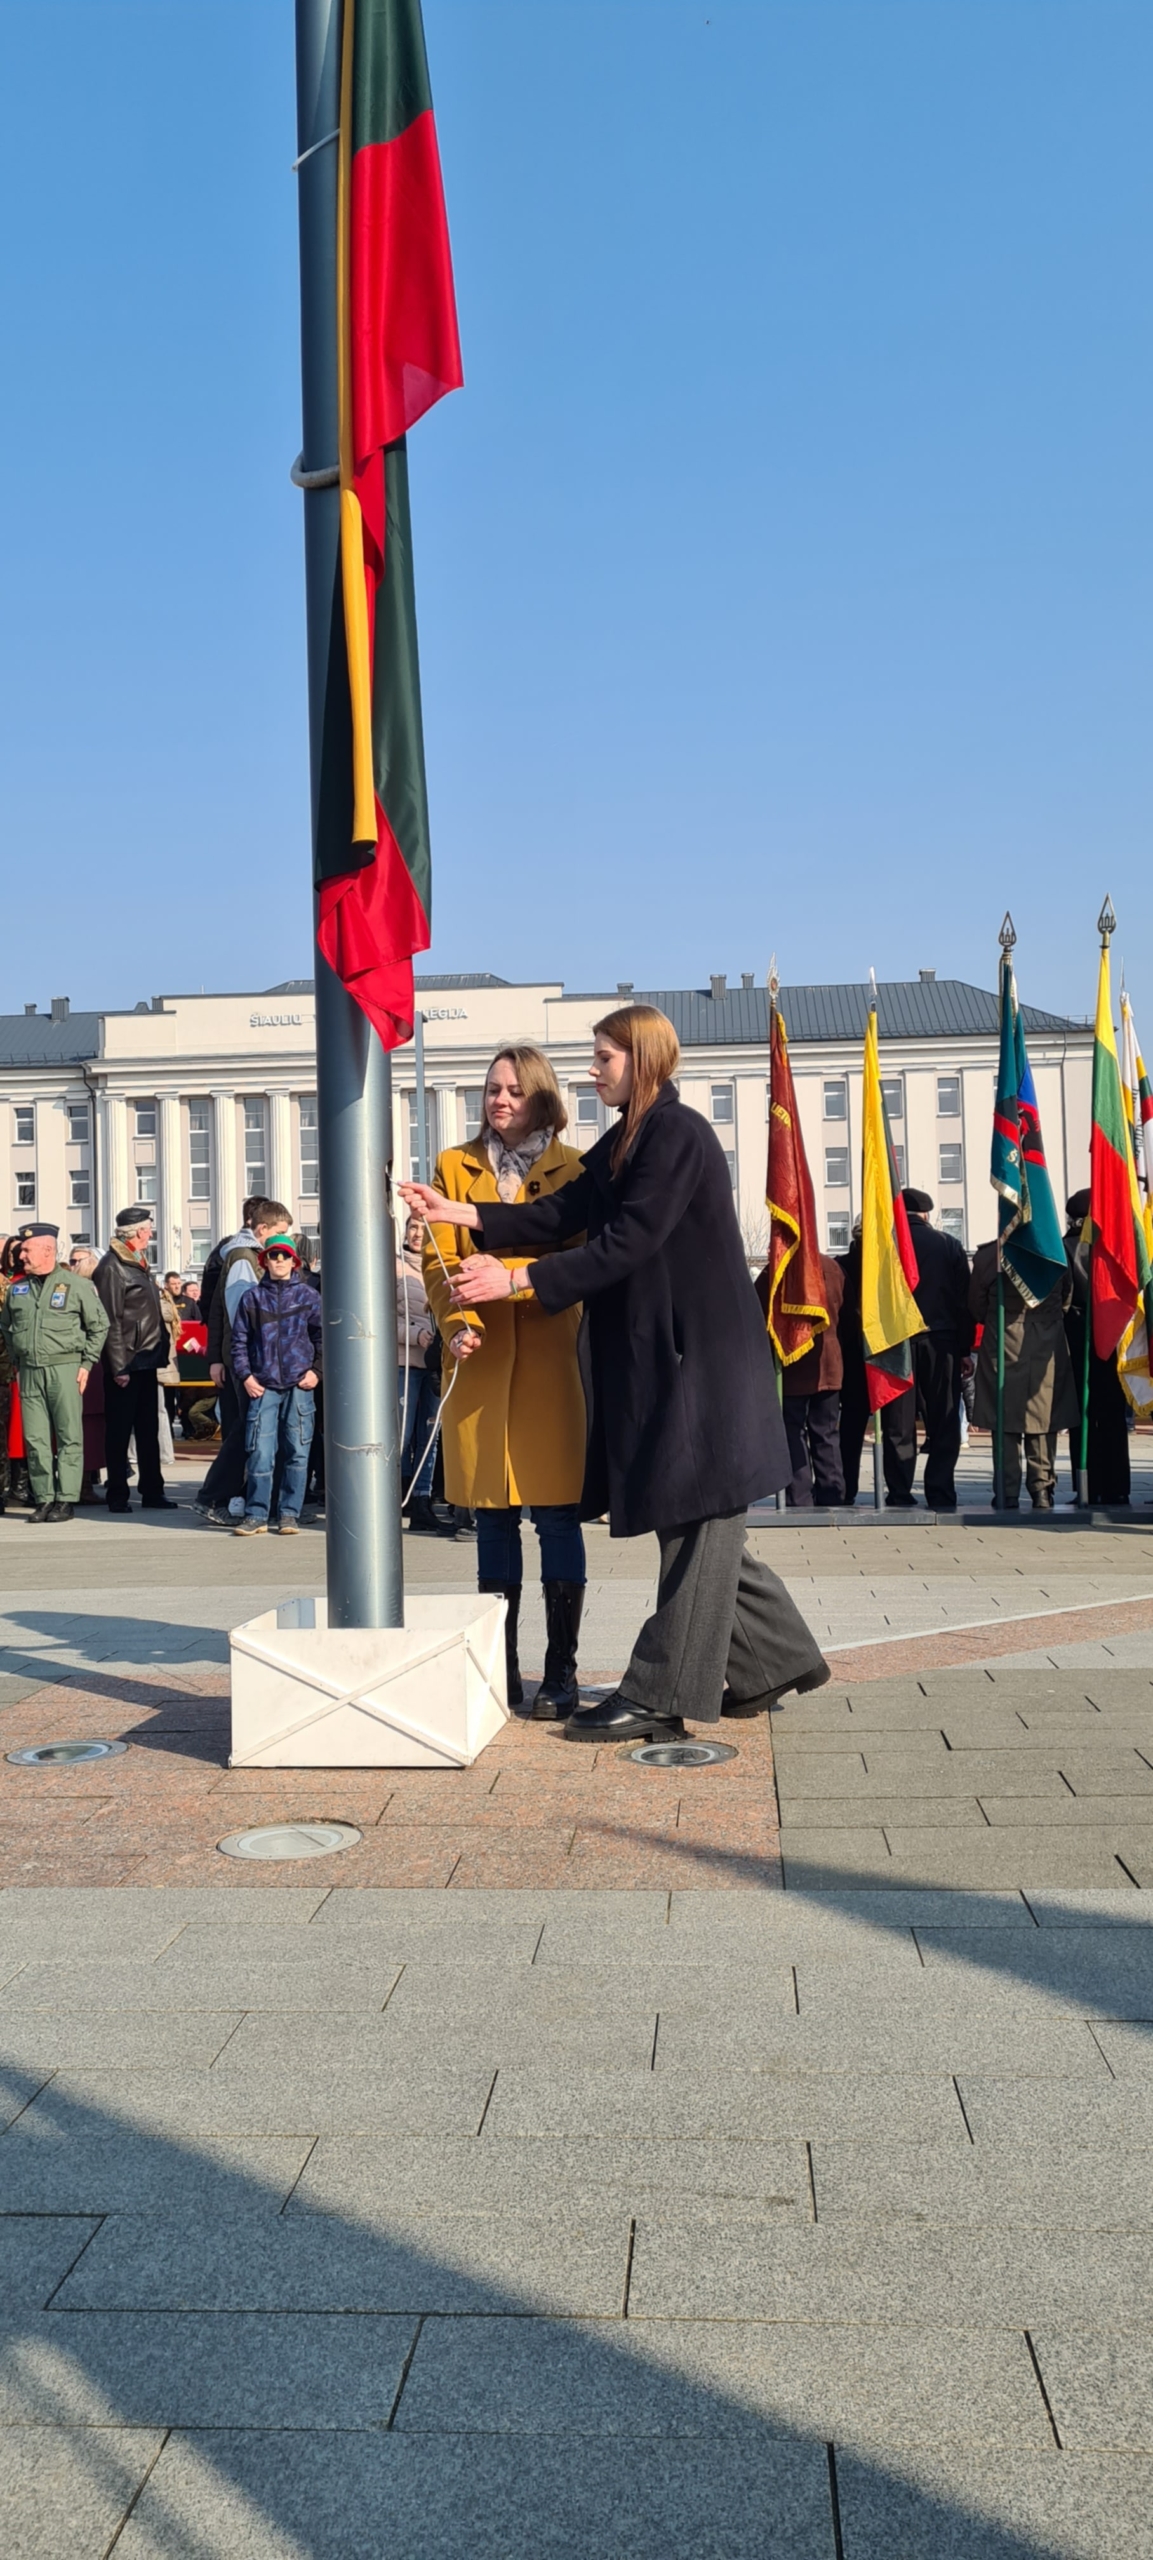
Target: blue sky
x=784, y=568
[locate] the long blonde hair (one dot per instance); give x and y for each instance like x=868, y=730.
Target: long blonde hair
x=537, y=1081
x=655, y=1051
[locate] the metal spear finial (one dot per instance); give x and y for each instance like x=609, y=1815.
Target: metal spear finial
x=774, y=983
x=1008, y=933
x=1106, y=922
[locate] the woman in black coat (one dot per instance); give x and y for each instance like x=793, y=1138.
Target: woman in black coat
x=685, y=1428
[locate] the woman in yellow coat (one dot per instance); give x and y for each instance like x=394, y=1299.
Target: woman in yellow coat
x=513, y=1427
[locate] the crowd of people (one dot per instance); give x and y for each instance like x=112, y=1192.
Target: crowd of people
x=660, y=1410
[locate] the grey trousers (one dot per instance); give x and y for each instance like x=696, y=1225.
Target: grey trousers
x=720, y=1615
x=1040, y=1463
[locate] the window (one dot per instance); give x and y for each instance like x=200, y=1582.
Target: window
x=145, y=1119
x=472, y=1105
x=81, y=1240
x=721, y=1102
x=952, y=1164
x=78, y=1123
x=902, y=1176
x=81, y=1194
x=837, y=1231
x=25, y=1190
x=309, y=1148
x=589, y=1110
x=836, y=1101
x=147, y=1182
x=199, y=1160
x=836, y=1168
x=953, y=1224
x=198, y=1256
x=731, y=1161
x=948, y=1097
x=893, y=1096
x=255, y=1151
x=25, y=1125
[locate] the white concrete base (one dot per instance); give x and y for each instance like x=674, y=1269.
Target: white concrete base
x=427, y=1695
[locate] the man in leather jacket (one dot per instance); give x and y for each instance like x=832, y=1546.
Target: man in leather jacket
x=137, y=1346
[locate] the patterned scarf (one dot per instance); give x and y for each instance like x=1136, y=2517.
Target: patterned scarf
x=512, y=1165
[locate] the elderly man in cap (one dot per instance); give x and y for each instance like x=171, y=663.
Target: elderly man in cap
x=54, y=1326
x=940, y=1358
x=137, y=1346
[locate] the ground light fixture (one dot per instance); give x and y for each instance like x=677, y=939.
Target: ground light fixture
x=290, y=1840
x=681, y=1755
x=54, y=1755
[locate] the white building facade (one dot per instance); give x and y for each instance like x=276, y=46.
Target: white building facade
x=193, y=1102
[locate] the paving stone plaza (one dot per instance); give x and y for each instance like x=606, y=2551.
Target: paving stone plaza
x=748, y=2163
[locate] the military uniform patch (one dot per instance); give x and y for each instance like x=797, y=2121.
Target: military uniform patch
x=20, y=1289
x=59, y=1297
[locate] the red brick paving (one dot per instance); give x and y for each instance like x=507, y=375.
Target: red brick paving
x=535, y=1811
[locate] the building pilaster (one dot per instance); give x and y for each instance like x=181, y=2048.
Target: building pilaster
x=225, y=1189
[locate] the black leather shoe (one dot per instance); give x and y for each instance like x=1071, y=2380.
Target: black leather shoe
x=423, y=1521
x=162, y=1503
x=509, y=1592
x=42, y=1511
x=617, y=1719
x=815, y=1679
x=559, y=1692
x=60, y=1511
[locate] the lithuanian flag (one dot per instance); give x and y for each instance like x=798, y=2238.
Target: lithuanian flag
x=1133, y=1351
x=890, y=1316
x=1119, y=1271
x=398, y=352
x=797, y=1312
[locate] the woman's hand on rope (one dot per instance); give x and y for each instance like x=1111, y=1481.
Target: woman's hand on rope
x=481, y=1278
x=464, y=1343
x=432, y=1205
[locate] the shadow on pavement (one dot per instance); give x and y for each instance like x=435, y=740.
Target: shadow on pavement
x=310, y=2386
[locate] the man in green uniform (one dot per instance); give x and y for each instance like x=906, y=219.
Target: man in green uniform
x=54, y=1327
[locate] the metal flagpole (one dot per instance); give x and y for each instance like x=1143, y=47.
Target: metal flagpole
x=421, y=1099
x=1007, y=938
x=353, y=1078
x=778, y=1372
x=878, y=1460
x=1106, y=927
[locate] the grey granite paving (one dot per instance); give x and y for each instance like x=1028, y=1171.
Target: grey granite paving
x=713, y=2226
x=684, y=2377
x=64, y=2491
x=242, y=2496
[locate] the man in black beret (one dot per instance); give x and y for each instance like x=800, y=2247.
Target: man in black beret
x=940, y=1355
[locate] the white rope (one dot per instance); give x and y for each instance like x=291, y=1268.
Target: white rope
x=400, y=1218
x=325, y=139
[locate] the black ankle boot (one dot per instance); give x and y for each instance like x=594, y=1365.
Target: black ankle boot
x=559, y=1694
x=510, y=1593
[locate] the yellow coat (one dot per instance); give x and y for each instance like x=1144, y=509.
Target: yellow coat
x=514, y=1426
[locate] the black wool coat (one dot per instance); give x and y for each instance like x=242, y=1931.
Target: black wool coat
x=684, y=1421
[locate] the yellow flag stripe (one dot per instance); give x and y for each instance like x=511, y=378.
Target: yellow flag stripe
x=351, y=521
x=889, y=1311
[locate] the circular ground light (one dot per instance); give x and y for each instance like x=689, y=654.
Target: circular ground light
x=50, y=1755
x=681, y=1755
x=290, y=1840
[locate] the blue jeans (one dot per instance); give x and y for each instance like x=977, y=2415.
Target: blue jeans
x=498, y=1550
x=279, y=1424
x=416, y=1426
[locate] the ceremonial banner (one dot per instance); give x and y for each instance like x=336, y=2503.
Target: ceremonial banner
x=890, y=1316
x=1032, y=1247
x=398, y=353
x=798, y=1308
x=1133, y=1366
x=1119, y=1264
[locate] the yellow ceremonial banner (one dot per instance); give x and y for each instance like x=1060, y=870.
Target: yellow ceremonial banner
x=890, y=1315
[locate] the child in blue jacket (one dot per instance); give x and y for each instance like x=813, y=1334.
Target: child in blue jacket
x=276, y=1337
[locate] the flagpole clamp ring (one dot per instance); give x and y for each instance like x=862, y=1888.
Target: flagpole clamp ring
x=328, y=478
